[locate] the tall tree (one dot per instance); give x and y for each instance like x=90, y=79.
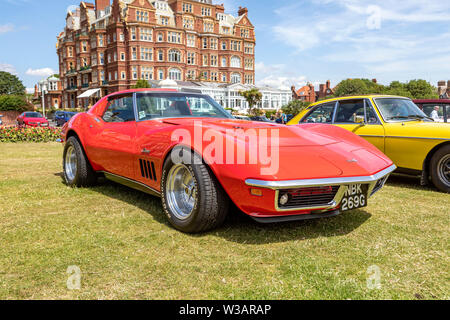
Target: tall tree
x=10, y=84
x=253, y=97
x=142, y=84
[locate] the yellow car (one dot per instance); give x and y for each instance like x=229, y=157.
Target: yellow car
x=397, y=127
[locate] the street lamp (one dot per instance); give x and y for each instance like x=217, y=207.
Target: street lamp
x=43, y=91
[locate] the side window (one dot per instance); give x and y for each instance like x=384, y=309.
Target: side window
x=434, y=111
x=371, y=114
x=321, y=114
x=120, y=109
x=348, y=109
x=448, y=113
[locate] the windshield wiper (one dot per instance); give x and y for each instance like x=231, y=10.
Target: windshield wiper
x=398, y=117
x=417, y=116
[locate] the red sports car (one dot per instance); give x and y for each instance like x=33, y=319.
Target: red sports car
x=186, y=149
x=32, y=119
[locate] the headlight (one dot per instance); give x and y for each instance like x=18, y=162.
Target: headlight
x=284, y=199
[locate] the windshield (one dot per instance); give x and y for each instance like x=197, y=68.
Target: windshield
x=178, y=105
x=33, y=115
x=398, y=109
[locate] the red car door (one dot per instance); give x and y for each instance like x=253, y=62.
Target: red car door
x=111, y=144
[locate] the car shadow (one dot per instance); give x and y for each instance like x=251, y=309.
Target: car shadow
x=239, y=227
x=411, y=182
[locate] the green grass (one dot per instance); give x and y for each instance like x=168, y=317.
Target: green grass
x=122, y=243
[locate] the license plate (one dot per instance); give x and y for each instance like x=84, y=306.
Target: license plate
x=355, y=197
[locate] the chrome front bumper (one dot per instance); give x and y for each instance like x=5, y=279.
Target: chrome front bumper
x=375, y=182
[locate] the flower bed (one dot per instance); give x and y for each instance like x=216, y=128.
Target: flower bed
x=15, y=134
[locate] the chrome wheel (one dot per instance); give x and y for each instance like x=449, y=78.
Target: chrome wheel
x=181, y=191
x=444, y=170
x=70, y=167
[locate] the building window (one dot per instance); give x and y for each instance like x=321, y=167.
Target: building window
x=206, y=11
x=160, y=37
x=224, y=45
x=235, y=78
x=146, y=34
x=248, y=64
x=188, y=23
x=174, y=55
x=248, y=48
x=235, y=62
x=101, y=58
x=147, y=73
x=191, y=58
x=141, y=16
x=213, y=61
x=174, y=37
x=224, y=77
x=213, y=43
x=190, y=75
x=190, y=42
x=175, y=74
x=101, y=40
x=245, y=33
x=235, y=45
x=122, y=37
x=146, y=54
x=122, y=56
x=164, y=21
x=133, y=34
x=205, y=60
x=160, y=74
x=134, y=53
x=224, y=62
x=123, y=75
x=205, y=43
x=208, y=27
x=249, y=79
x=187, y=7
x=160, y=55
x=84, y=46
x=135, y=73
x=214, y=76
x=226, y=30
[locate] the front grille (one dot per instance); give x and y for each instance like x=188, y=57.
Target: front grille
x=308, y=197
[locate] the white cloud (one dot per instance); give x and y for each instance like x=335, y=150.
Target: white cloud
x=4, y=28
x=44, y=72
x=30, y=90
x=378, y=36
x=8, y=68
x=277, y=76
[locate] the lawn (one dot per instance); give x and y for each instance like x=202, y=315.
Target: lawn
x=125, y=249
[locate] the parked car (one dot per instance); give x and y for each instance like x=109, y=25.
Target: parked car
x=1, y=120
x=396, y=126
x=61, y=117
x=437, y=109
x=32, y=119
x=260, y=119
x=142, y=138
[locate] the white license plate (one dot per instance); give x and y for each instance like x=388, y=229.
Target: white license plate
x=355, y=197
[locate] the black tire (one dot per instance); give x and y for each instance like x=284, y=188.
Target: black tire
x=439, y=159
x=84, y=175
x=211, y=201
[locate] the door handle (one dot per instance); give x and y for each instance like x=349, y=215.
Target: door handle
x=145, y=151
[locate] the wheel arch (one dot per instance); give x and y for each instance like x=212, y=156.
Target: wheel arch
x=427, y=161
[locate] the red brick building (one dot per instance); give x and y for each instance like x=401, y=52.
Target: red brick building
x=106, y=47
x=52, y=88
x=309, y=94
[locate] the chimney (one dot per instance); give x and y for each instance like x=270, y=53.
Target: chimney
x=100, y=5
x=374, y=80
x=441, y=84
x=448, y=84
x=242, y=11
x=328, y=84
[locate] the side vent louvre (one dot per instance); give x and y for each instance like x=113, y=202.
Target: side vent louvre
x=148, y=169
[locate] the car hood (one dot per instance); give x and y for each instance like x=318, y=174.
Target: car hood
x=419, y=129
x=303, y=152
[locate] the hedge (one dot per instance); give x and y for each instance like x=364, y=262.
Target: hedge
x=13, y=103
x=16, y=134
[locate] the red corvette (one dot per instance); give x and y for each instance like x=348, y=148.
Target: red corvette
x=186, y=149
x=32, y=119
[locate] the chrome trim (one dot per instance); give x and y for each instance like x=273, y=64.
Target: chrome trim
x=343, y=182
x=424, y=138
x=131, y=183
x=370, y=136
x=292, y=184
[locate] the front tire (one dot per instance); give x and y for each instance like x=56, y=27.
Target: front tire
x=440, y=169
x=77, y=169
x=192, y=198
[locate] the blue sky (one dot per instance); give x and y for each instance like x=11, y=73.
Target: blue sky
x=298, y=41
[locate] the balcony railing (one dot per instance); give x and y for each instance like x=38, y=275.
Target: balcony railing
x=85, y=85
x=72, y=87
x=104, y=83
x=85, y=68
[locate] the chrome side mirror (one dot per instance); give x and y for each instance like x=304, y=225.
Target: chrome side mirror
x=359, y=119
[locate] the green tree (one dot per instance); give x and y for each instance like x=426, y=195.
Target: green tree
x=253, y=97
x=295, y=107
x=142, y=84
x=13, y=103
x=421, y=89
x=10, y=84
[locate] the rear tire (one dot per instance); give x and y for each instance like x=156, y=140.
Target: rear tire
x=440, y=169
x=76, y=167
x=192, y=198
